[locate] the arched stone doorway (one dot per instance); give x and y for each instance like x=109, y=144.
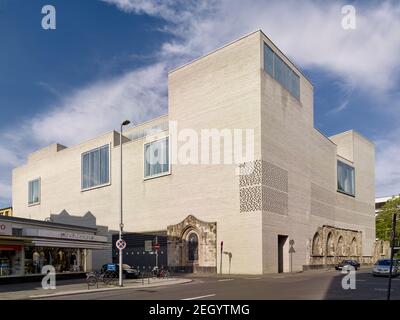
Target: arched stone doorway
x=192, y=246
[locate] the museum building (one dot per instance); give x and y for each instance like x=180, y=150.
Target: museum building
x=308, y=199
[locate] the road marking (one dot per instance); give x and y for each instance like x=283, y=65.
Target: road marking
x=252, y=278
x=225, y=280
x=198, y=298
x=361, y=280
x=382, y=289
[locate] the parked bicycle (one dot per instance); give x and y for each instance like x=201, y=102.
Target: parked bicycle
x=161, y=273
x=107, y=277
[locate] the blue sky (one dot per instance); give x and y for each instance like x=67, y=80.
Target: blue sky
x=108, y=60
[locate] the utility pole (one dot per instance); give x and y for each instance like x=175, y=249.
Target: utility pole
x=156, y=253
x=222, y=253
x=393, y=238
x=121, y=221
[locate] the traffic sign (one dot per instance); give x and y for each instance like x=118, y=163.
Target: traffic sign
x=156, y=247
x=121, y=244
x=148, y=246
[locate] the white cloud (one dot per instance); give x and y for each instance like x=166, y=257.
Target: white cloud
x=95, y=109
x=387, y=165
x=309, y=31
x=100, y=107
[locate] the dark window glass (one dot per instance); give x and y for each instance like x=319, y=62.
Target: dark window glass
x=156, y=158
x=345, y=178
x=34, y=192
x=281, y=72
x=96, y=167
x=193, y=247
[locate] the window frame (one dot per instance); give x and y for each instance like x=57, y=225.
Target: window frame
x=102, y=185
x=158, y=175
x=284, y=64
x=337, y=179
x=31, y=204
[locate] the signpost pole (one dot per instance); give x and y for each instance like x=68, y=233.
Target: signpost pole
x=157, y=253
x=222, y=252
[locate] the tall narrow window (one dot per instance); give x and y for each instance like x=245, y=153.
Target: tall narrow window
x=345, y=177
x=156, y=158
x=96, y=167
x=193, y=247
x=34, y=192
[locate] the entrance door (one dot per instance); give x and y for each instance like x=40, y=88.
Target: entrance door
x=281, y=254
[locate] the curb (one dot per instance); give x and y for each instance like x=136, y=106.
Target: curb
x=77, y=292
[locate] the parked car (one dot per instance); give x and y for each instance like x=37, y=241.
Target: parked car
x=353, y=263
x=382, y=268
x=128, y=271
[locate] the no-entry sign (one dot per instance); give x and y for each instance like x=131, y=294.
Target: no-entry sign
x=121, y=244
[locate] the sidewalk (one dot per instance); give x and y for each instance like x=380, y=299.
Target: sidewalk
x=34, y=291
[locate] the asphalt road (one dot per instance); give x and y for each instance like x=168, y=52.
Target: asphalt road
x=307, y=285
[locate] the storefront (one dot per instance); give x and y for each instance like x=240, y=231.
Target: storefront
x=26, y=246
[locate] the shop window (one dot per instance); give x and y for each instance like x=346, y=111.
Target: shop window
x=10, y=260
x=62, y=259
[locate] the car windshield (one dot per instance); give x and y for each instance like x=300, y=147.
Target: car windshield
x=383, y=263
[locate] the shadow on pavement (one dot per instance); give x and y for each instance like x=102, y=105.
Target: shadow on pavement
x=367, y=287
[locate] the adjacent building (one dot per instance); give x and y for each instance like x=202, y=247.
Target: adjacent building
x=8, y=212
x=27, y=245
x=302, y=199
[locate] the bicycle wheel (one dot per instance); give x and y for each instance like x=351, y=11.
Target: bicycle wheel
x=91, y=281
x=112, y=277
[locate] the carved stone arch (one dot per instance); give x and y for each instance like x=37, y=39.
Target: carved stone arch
x=330, y=247
x=192, y=245
x=340, y=246
x=353, y=247
x=191, y=239
x=316, y=249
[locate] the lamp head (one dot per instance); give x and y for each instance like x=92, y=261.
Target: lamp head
x=126, y=122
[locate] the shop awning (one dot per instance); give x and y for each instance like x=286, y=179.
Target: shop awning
x=4, y=247
x=71, y=244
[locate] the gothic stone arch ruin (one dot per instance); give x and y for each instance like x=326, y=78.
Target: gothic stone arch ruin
x=192, y=246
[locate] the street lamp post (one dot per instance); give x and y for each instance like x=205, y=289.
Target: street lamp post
x=121, y=224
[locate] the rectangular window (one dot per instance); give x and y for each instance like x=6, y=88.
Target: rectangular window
x=281, y=72
x=96, y=167
x=34, y=192
x=156, y=158
x=345, y=177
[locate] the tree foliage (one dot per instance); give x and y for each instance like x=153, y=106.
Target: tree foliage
x=384, y=220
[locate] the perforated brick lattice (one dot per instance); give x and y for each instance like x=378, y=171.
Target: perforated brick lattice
x=263, y=186
x=250, y=199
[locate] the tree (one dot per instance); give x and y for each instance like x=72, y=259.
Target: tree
x=384, y=220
